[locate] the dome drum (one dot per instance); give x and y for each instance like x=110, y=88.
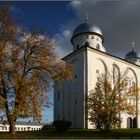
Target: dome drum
x=86, y=28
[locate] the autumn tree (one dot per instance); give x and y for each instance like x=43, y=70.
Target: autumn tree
x=27, y=63
x=109, y=99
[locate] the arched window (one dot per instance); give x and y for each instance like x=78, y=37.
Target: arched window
x=129, y=122
x=97, y=71
x=98, y=47
x=116, y=73
x=86, y=44
x=77, y=46
x=58, y=97
x=135, y=122
x=75, y=102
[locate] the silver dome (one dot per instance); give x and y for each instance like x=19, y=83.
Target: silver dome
x=87, y=28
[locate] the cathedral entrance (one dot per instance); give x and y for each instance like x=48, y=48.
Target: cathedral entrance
x=135, y=122
x=131, y=123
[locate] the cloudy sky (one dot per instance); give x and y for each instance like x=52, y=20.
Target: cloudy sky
x=119, y=21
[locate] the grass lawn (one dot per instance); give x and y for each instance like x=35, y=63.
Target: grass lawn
x=75, y=134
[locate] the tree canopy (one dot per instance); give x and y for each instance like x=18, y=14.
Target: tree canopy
x=27, y=63
x=109, y=99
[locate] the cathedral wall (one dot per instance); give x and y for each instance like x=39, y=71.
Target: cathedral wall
x=98, y=63
x=70, y=107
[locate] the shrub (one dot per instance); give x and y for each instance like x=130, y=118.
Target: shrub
x=62, y=125
x=47, y=127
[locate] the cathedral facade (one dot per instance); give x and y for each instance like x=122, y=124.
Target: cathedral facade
x=89, y=58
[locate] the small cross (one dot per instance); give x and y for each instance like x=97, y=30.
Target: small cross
x=86, y=17
x=133, y=46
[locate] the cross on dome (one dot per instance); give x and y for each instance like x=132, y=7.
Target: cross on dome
x=133, y=46
x=86, y=17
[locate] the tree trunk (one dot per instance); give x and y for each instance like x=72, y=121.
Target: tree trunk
x=107, y=127
x=12, y=126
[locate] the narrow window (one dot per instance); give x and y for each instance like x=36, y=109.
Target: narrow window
x=77, y=46
x=58, y=116
x=98, y=47
x=86, y=44
x=58, y=95
x=92, y=37
x=75, y=102
x=97, y=71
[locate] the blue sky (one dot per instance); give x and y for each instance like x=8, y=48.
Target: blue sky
x=119, y=21
x=48, y=15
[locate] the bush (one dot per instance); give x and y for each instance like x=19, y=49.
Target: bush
x=47, y=127
x=61, y=125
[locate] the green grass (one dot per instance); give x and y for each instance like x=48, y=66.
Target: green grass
x=75, y=134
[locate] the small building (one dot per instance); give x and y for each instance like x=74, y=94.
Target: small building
x=21, y=126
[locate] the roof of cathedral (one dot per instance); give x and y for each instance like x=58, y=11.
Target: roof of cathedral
x=103, y=53
x=132, y=53
x=86, y=28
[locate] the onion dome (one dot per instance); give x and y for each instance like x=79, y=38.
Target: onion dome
x=87, y=28
x=132, y=53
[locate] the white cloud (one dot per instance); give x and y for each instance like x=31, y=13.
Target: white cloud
x=66, y=33
x=75, y=4
x=62, y=43
x=16, y=10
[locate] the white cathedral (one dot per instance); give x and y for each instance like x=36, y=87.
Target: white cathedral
x=89, y=58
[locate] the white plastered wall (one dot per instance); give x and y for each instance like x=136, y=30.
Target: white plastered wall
x=97, y=61
x=70, y=107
